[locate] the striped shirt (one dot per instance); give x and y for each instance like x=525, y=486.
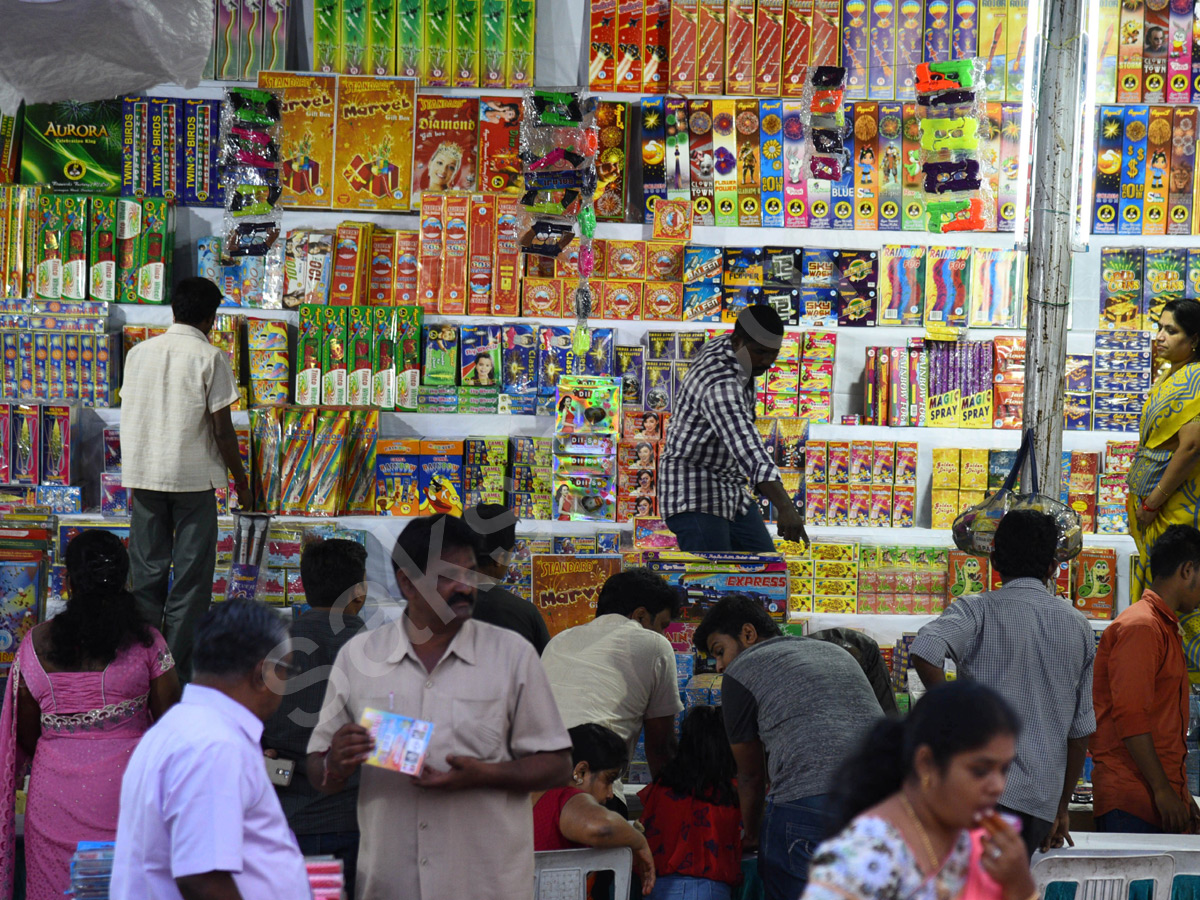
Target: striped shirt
x=713, y=450
x=1036, y=651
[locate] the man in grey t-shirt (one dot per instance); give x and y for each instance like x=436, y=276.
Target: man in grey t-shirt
x=794, y=709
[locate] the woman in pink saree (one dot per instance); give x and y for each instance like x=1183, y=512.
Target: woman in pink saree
x=83, y=689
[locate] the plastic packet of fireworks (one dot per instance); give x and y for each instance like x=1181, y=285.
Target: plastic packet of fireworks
x=958, y=75
x=544, y=235
x=250, y=128
x=582, y=180
x=553, y=203
x=249, y=549
x=253, y=219
x=823, y=120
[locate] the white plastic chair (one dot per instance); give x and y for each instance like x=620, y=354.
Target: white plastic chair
x=1104, y=876
x=563, y=874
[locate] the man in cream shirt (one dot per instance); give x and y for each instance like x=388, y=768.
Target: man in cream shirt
x=619, y=670
x=199, y=817
x=177, y=441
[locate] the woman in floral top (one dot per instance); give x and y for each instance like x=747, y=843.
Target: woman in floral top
x=907, y=803
x=84, y=688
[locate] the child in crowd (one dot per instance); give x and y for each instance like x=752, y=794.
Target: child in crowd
x=691, y=815
x=574, y=816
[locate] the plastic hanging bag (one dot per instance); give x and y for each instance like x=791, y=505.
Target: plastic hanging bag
x=974, y=531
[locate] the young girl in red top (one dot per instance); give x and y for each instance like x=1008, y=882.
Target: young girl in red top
x=574, y=816
x=691, y=815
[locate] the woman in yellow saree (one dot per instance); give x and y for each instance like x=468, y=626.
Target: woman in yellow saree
x=1164, y=481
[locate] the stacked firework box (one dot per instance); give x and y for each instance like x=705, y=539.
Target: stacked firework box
x=1145, y=180
x=861, y=483
x=54, y=352
x=902, y=580
x=80, y=247
x=765, y=47
x=169, y=148
x=443, y=43
x=1146, y=52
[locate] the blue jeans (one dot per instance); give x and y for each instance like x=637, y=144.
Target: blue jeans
x=684, y=887
x=341, y=845
x=1117, y=820
x=790, y=834
x=699, y=532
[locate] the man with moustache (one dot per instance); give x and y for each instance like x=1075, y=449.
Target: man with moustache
x=462, y=828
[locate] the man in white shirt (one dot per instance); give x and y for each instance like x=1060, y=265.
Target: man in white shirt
x=463, y=827
x=199, y=818
x=619, y=670
x=177, y=441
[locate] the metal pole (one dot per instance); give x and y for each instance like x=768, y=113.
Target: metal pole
x=1051, y=221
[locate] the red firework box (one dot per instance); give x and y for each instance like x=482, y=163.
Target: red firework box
x=664, y=260
x=381, y=280
x=430, y=248
x=480, y=268
x=602, y=64
x=654, y=61
x=404, y=267
x=739, y=48
x=710, y=47
x=797, y=44
x=631, y=17
x=453, y=299
x=768, y=47
x=826, y=33
x=542, y=298
x=499, y=150
x=621, y=300
x=506, y=283
x=5, y=443
x=352, y=248
x=662, y=301
x=682, y=56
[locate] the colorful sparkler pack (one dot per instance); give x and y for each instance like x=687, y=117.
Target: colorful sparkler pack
x=766, y=48
x=249, y=36
x=1145, y=180
x=442, y=43
x=932, y=383
x=56, y=351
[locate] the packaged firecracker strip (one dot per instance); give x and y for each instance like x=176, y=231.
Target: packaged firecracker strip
x=431, y=249
x=465, y=66
x=655, y=73
x=710, y=46
x=631, y=16
x=768, y=47
x=455, y=262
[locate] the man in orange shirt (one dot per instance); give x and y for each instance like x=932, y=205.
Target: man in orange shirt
x=1141, y=697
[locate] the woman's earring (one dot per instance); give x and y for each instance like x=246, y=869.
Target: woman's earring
x=578, y=780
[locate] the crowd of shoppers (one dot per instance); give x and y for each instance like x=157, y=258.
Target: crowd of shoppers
x=799, y=762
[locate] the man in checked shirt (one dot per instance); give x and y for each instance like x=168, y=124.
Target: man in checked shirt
x=714, y=453
x=1036, y=650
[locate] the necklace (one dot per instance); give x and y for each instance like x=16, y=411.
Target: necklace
x=922, y=833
